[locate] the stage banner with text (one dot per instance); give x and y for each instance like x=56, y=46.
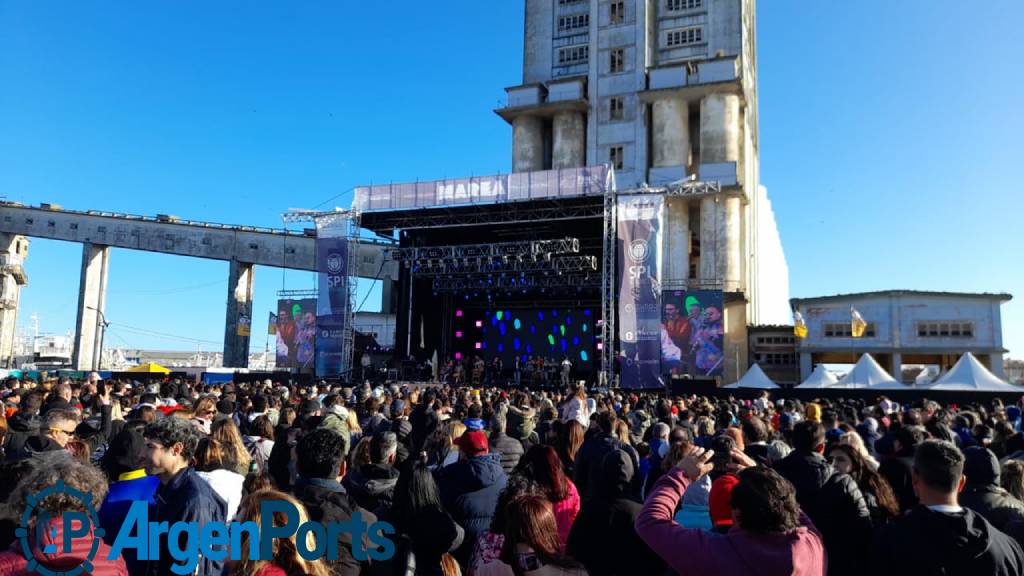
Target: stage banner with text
x=332, y=300
x=639, y=292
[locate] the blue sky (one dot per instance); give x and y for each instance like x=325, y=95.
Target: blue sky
x=887, y=135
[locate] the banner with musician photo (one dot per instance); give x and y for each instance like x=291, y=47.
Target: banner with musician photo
x=692, y=333
x=638, y=225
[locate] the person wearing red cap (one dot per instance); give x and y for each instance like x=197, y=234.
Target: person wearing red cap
x=470, y=488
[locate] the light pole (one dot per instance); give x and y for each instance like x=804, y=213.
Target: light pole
x=97, y=357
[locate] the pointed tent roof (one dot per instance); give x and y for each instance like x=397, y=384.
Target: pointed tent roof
x=149, y=368
x=867, y=373
x=820, y=378
x=754, y=378
x=970, y=374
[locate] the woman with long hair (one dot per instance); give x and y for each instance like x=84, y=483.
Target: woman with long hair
x=424, y=529
x=1012, y=478
x=260, y=442
x=236, y=457
x=577, y=408
x=531, y=541
x=203, y=412
x=568, y=444
x=542, y=465
x=213, y=465
x=443, y=451
x=854, y=440
x=878, y=494
x=286, y=560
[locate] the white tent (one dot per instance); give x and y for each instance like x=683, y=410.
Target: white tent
x=867, y=373
x=970, y=374
x=820, y=378
x=754, y=378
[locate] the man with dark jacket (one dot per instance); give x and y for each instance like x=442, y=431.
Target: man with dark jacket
x=590, y=455
x=832, y=500
x=56, y=430
x=603, y=537
x=982, y=492
x=509, y=449
x=939, y=536
x=373, y=485
x=322, y=467
x=897, y=468
x=470, y=488
x=24, y=424
x=183, y=496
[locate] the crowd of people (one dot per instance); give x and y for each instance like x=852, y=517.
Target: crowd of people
x=488, y=481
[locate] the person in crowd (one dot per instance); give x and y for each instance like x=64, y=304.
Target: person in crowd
x=236, y=456
x=259, y=442
x=855, y=441
x=321, y=466
x=183, y=496
x=287, y=560
x=530, y=547
x=445, y=451
x=1012, y=478
x=939, y=536
x=122, y=463
x=602, y=536
x=577, y=409
x=510, y=449
x=487, y=549
x=426, y=533
x=470, y=488
x=897, y=469
x=53, y=550
x=541, y=464
x=593, y=451
x=203, y=412
x=982, y=492
x=756, y=437
x=772, y=536
x=568, y=441
x=878, y=495
x=373, y=484
x=832, y=500
x=212, y=465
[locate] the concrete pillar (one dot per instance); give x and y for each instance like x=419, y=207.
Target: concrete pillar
x=670, y=132
x=720, y=128
x=13, y=251
x=896, y=367
x=709, y=230
x=527, y=144
x=729, y=242
x=569, y=136
x=92, y=299
x=806, y=366
x=995, y=365
x=677, y=254
x=239, y=315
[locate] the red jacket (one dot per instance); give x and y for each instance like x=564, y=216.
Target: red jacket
x=799, y=552
x=13, y=563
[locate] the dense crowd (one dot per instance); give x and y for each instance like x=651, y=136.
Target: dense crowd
x=517, y=482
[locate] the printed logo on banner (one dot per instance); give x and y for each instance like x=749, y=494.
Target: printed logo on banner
x=334, y=263
x=638, y=250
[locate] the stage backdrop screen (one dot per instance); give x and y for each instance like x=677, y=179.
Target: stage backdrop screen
x=296, y=333
x=692, y=332
x=549, y=332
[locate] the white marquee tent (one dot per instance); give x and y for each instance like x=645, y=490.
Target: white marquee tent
x=754, y=378
x=867, y=373
x=970, y=374
x=820, y=378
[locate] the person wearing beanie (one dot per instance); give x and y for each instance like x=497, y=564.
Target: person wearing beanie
x=122, y=463
x=720, y=502
x=982, y=492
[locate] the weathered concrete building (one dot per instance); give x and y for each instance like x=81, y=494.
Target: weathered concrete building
x=903, y=327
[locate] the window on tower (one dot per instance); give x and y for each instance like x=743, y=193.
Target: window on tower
x=617, y=60
x=616, y=12
x=616, y=108
x=616, y=157
x=684, y=36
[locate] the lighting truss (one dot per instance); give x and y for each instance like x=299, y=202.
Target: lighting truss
x=511, y=283
x=305, y=215
x=565, y=245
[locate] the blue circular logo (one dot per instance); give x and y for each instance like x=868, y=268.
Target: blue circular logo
x=24, y=533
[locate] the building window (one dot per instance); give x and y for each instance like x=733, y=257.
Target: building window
x=844, y=330
x=616, y=157
x=573, y=55
x=616, y=107
x=617, y=60
x=569, y=2
x=678, y=5
x=943, y=329
x=684, y=36
x=574, y=22
x=616, y=12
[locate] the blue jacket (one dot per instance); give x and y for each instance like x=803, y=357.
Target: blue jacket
x=469, y=491
x=115, y=507
x=186, y=498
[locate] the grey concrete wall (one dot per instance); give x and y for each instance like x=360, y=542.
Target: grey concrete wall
x=13, y=251
x=527, y=144
x=537, y=47
x=569, y=136
x=719, y=128
x=92, y=296
x=677, y=252
x=240, y=283
x=670, y=132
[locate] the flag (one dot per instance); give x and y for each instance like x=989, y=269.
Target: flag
x=857, y=323
x=272, y=326
x=799, y=327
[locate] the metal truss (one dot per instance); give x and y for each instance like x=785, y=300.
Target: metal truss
x=512, y=283
x=507, y=264
x=608, y=292
x=296, y=294
x=509, y=213
x=501, y=250
x=304, y=215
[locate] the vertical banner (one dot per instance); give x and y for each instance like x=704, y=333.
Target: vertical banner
x=639, y=292
x=296, y=333
x=692, y=341
x=332, y=299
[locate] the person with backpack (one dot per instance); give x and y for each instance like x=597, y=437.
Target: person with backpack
x=259, y=442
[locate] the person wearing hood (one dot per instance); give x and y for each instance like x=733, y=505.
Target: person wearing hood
x=939, y=536
x=56, y=430
x=770, y=536
x=122, y=462
x=603, y=537
x=470, y=488
x=982, y=492
x=52, y=551
x=868, y=430
x=592, y=453
x=24, y=424
x=832, y=500
x=373, y=485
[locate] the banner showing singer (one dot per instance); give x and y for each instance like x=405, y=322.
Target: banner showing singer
x=332, y=301
x=639, y=297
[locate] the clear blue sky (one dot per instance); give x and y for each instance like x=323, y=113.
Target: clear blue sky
x=887, y=135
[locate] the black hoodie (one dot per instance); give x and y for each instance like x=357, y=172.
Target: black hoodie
x=982, y=492
x=925, y=542
x=19, y=429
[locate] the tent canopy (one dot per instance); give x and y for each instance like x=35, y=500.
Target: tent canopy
x=970, y=374
x=754, y=378
x=820, y=378
x=149, y=368
x=867, y=373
